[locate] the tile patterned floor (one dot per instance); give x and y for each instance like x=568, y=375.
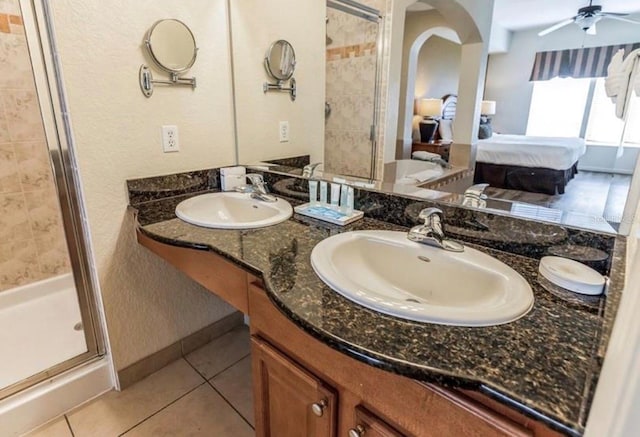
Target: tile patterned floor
x=207, y=393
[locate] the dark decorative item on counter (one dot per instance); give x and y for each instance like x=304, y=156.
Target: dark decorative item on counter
x=485, y=130
x=487, y=108
x=430, y=110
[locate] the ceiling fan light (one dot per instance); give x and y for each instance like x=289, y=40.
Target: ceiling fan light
x=591, y=30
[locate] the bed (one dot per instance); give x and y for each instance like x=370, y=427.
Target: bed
x=519, y=162
x=528, y=163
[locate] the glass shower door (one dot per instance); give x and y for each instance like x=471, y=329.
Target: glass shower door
x=351, y=85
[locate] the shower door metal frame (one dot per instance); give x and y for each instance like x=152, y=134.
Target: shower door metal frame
x=373, y=15
x=55, y=117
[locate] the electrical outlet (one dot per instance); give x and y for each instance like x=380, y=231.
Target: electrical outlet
x=170, y=140
x=284, y=131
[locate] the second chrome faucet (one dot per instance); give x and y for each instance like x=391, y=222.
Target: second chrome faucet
x=257, y=188
x=432, y=231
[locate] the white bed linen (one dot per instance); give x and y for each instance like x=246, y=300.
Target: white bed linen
x=557, y=153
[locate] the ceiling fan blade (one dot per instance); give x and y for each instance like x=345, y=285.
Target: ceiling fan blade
x=592, y=30
x=611, y=14
x=557, y=26
x=619, y=18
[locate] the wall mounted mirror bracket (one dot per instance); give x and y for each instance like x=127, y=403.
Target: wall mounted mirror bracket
x=280, y=86
x=172, y=47
x=147, y=81
x=280, y=63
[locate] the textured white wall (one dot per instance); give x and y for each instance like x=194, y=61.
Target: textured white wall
x=255, y=25
x=438, y=68
x=148, y=305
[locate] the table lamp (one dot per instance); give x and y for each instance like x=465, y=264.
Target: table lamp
x=430, y=110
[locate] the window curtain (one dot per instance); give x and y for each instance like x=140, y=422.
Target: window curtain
x=578, y=63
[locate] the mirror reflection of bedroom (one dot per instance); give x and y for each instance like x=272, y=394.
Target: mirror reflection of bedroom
x=560, y=121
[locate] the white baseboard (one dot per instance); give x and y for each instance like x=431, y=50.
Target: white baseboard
x=43, y=402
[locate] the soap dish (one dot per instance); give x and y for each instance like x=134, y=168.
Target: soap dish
x=572, y=275
x=328, y=214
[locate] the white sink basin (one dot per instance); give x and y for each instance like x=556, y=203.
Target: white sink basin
x=232, y=211
x=384, y=271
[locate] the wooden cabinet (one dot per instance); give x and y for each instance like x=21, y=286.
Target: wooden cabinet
x=380, y=402
x=368, y=424
x=213, y=272
x=289, y=401
x=304, y=388
x=442, y=149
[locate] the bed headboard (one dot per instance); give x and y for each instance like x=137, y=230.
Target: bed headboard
x=449, y=103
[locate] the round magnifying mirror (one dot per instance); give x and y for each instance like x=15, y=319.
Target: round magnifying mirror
x=171, y=45
x=280, y=61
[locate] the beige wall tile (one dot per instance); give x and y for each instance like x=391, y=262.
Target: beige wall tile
x=221, y=353
x=10, y=7
x=14, y=218
x=57, y=428
x=9, y=174
x=116, y=412
x=53, y=258
x=44, y=215
x=15, y=66
x=4, y=128
x=15, y=25
x=34, y=165
x=202, y=412
x=236, y=386
x=22, y=115
x=18, y=264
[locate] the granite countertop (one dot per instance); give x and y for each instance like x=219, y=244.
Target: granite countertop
x=545, y=364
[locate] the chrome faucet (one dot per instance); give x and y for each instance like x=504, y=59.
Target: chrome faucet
x=474, y=196
x=257, y=188
x=307, y=171
x=432, y=231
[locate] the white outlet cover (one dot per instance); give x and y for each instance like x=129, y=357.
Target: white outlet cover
x=284, y=131
x=170, y=139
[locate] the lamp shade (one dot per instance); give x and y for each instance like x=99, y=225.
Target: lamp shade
x=488, y=107
x=430, y=107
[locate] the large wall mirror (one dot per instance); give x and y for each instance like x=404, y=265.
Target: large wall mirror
x=540, y=99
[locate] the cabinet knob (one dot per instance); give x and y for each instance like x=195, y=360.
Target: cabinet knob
x=358, y=431
x=318, y=407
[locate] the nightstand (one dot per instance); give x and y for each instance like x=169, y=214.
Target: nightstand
x=438, y=147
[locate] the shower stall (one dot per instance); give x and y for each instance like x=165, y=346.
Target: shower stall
x=49, y=322
x=354, y=41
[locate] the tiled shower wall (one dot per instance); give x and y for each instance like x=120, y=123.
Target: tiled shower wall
x=350, y=87
x=32, y=243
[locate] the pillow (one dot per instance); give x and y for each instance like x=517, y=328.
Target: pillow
x=446, y=130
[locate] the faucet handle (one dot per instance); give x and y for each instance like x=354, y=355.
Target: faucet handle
x=430, y=213
x=476, y=190
x=255, y=178
x=307, y=171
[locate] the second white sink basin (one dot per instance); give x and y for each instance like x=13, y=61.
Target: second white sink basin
x=386, y=272
x=232, y=211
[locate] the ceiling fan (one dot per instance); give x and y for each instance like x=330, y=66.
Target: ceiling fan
x=587, y=18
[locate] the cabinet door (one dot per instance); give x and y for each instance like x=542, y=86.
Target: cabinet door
x=289, y=401
x=369, y=425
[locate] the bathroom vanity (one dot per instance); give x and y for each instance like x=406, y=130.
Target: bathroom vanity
x=325, y=366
